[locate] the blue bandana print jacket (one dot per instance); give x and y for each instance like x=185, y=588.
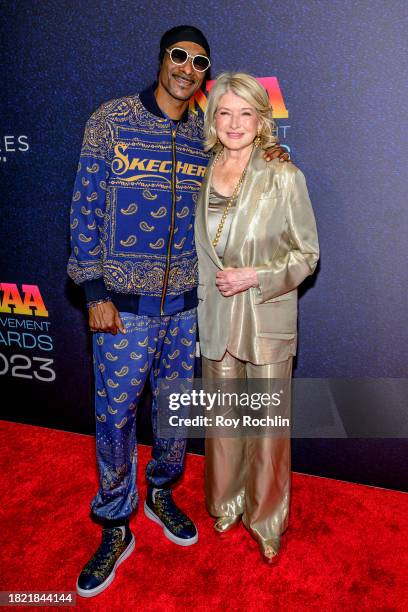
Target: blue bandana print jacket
x=132, y=215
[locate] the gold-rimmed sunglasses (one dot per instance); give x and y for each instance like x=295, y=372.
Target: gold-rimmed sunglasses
x=180, y=56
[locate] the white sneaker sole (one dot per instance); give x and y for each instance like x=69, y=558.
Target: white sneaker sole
x=104, y=585
x=170, y=536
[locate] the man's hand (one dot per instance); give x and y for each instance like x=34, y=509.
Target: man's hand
x=277, y=152
x=234, y=280
x=105, y=317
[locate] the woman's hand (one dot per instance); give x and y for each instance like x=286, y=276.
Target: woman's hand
x=234, y=280
x=277, y=152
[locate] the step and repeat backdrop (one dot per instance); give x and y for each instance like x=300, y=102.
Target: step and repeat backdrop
x=337, y=75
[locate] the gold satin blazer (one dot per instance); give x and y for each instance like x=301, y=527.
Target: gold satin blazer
x=273, y=231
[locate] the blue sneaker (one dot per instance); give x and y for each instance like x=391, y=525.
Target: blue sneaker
x=177, y=527
x=116, y=546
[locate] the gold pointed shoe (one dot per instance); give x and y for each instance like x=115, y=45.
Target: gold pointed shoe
x=270, y=549
x=224, y=523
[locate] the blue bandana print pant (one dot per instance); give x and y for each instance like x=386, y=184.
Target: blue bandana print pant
x=158, y=347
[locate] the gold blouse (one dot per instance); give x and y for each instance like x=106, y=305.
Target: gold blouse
x=216, y=207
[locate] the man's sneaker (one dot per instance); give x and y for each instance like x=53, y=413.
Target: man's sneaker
x=177, y=527
x=116, y=546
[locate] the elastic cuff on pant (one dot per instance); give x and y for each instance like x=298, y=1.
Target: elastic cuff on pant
x=111, y=522
x=151, y=486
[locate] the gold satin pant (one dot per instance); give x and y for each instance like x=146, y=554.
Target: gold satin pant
x=249, y=476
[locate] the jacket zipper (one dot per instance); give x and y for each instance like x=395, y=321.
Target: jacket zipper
x=173, y=210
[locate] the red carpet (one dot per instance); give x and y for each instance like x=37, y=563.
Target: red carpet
x=346, y=548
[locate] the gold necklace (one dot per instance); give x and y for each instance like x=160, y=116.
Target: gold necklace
x=229, y=203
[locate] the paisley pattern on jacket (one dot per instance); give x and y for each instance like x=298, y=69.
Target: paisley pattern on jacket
x=133, y=207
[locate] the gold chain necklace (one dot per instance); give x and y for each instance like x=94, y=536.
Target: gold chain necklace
x=229, y=203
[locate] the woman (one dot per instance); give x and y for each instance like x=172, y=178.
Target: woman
x=256, y=240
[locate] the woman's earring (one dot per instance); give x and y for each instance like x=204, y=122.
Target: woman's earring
x=257, y=141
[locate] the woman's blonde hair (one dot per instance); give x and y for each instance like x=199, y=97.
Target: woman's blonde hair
x=247, y=87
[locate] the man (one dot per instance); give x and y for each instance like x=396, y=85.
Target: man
x=133, y=251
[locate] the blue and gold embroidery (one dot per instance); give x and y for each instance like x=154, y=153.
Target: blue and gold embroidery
x=159, y=244
x=126, y=158
x=130, y=210
x=145, y=227
x=129, y=242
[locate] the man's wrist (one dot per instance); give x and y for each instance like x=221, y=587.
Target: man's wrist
x=94, y=303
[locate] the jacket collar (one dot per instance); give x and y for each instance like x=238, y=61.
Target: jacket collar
x=148, y=100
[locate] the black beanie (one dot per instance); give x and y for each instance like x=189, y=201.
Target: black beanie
x=180, y=33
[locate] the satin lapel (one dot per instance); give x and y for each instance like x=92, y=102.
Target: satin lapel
x=247, y=202
x=202, y=218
